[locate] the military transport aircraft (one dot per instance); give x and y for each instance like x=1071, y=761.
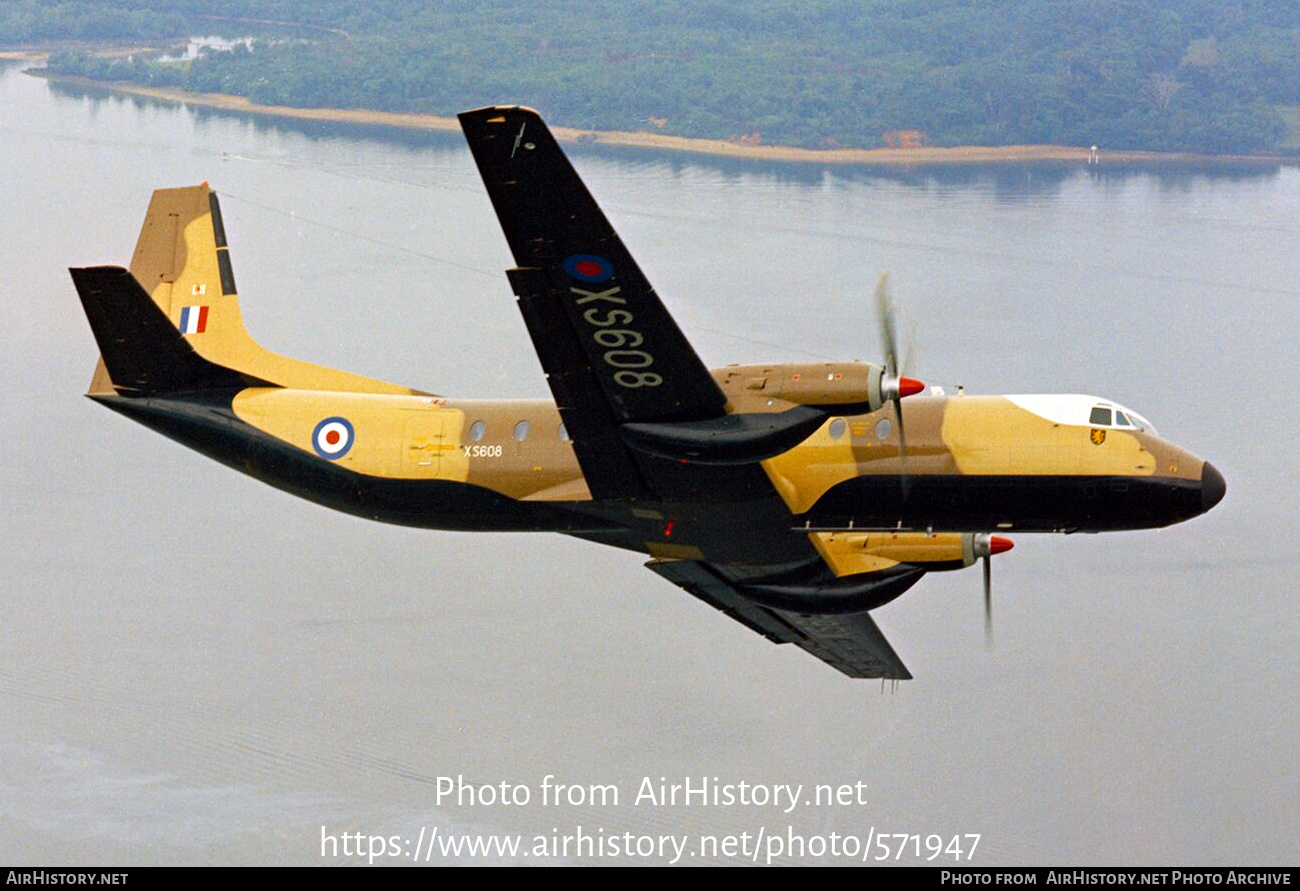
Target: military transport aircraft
x=794, y=498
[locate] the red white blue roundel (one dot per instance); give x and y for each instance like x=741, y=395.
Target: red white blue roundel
x=332, y=438
x=589, y=268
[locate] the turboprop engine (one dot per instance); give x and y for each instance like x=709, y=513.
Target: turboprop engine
x=773, y=409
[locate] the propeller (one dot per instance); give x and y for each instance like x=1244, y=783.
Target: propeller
x=988, y=601
x=985, y=547
x=894, y=386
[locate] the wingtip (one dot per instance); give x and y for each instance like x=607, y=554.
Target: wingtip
x=500, y=110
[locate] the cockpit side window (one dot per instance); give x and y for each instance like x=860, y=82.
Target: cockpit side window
x=1100, y=416
x=1121, y=419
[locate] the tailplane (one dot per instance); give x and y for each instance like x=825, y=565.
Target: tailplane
x=142, y=352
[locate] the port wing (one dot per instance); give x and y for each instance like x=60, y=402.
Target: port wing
x=610, y=349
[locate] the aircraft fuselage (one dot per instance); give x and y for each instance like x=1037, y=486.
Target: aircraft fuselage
x=973, y=463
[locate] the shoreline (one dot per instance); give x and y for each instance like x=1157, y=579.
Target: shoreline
x=923, y=156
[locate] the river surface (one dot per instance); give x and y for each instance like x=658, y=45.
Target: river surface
x=195, y=668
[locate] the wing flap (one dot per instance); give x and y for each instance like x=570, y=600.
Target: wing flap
x=850, y=643
x=609, y=468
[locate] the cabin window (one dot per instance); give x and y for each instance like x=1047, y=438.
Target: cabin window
x=521, y=431
x=883, y=429
x=476, y=431
x=837, y=428
x=563, y=434
x=1100, y=417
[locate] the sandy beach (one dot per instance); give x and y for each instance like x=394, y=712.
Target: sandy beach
x=924, y=155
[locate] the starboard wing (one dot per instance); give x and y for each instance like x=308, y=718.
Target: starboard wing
x=849, y=642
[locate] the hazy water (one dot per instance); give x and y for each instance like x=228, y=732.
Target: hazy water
x=195, y=668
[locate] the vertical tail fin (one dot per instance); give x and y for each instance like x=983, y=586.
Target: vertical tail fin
x=182, y=261
x=182, y=264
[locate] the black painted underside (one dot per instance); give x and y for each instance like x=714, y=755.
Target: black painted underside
x=207, y=424
x=1020, y=502
x=753, y=528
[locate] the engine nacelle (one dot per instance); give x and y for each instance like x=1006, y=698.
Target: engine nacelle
x=853, y=553
x=864, y=570
x=772, y=408
x=845, y=387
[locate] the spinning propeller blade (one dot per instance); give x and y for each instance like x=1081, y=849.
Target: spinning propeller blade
x=985, y=547
x=894, y=386
x=988, y=601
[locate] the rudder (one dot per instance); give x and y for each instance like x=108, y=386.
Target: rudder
x=182, y=261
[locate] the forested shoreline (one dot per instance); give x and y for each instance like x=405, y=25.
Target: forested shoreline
x=1179, y=75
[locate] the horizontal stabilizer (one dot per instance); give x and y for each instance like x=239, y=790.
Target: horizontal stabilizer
x=143, y=351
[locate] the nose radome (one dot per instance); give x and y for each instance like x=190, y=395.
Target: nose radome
x=1212, y=486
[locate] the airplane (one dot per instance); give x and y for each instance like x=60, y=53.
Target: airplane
x=795, y=498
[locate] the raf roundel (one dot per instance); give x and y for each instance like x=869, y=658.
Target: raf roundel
x=588, y=268
x=332, y=438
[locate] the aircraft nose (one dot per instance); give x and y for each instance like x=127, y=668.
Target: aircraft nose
x=1212, y=486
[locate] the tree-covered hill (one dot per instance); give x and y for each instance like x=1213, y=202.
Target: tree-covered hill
x=1197, y=75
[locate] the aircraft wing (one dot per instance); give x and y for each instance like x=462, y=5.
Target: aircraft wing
x=851, y=642
x=610, y=349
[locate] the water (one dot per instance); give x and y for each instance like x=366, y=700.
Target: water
x=195, y=668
